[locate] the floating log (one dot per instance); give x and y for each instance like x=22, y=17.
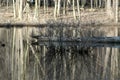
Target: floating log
x=82, y=42
x=101, y=39
x=64, y=44
x=81, y=39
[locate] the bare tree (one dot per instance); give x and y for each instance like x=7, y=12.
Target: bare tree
x=20, y=9
x=59, y=6
x=109, y=8
x=14, y=9
x=36, y=9
x=78, y=8
x=64, y=6
x=116, y=10
x=55, y=10
x=74, y=14
x=91, y=4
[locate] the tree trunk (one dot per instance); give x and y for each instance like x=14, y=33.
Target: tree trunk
x=7, y=4
x=100, y=3
x=55, y=10
x=20, y=9
x=36, y=9
x=59, y=5
x=116, y=11
x=14, y=9
x=64, y=7
x=91, y=4
x=78, y=7
x=109, y=8
x=74, y=9
x=44, y=5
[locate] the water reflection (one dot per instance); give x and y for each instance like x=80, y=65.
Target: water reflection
x=75, y=62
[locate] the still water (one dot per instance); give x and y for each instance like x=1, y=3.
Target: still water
x=77, y=61
x=60, y=60
x=71, y=61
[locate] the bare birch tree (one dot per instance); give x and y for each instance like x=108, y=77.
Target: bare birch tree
x=109, y=8
x=14, y=9
x=20, y=9
x=55, y=9
x=74, y=14
x=64, y=7
x=78, y=8
x=59, y=5
x=36, y=9
x=91, y=4
x=116, y=11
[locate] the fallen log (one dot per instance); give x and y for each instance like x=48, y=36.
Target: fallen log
x=81, y=42
x=81, y=45
x=101, y=39
x=81, y=39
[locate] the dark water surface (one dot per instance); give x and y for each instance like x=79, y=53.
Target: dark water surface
x=78, y=61
x=59, y=60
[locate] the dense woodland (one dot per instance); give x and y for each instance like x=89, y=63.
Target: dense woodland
x=61, y=7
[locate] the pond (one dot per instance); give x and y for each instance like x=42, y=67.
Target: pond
x=77, y=61
x=59, y=52
x=79, y=53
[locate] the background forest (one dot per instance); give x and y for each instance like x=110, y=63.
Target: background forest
x=43, y=9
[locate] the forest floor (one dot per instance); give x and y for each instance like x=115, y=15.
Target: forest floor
x=87, y=16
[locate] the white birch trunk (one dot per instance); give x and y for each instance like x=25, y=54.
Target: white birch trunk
x=116, y=11
x=74, y=9
x=20, y=9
